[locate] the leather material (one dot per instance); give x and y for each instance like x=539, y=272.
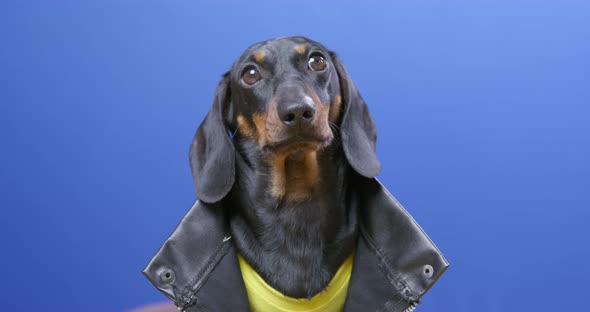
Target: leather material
x=224, y=290
x=395, y=262
x=411, y=261
x=201, y=262
x=369, y=289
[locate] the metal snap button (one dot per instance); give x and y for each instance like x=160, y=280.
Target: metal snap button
x=407, y=292
x=428, y=270
x=167, y=276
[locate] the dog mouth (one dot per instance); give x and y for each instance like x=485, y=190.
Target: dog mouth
x=297, y=144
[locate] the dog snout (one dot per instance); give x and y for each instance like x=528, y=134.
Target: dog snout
x=298, y=113
x=295, y=107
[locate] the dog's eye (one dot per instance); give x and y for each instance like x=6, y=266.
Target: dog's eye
x=251, y=75
x=317, y=62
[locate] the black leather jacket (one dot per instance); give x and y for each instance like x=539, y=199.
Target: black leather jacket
x=395, y=262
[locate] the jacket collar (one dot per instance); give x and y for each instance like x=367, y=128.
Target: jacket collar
x=395, y=262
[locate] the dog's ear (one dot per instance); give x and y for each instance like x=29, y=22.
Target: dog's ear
x=212, y=155
x=358, y=131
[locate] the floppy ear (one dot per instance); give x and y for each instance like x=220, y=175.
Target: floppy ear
x=359, y=135
x=212, y=155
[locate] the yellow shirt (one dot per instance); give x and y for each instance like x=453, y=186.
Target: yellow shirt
x=264, y=298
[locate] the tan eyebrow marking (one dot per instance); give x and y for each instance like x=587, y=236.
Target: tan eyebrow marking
x=259, y=56
x=300, y=48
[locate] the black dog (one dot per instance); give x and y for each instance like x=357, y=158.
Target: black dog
x=298, y=126
x=284, y=167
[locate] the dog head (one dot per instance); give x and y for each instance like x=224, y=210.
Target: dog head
x=284, y=97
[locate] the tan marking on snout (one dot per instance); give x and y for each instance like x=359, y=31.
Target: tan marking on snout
x=245, y=128
x=295, y=172
x=268, y=125
x=259, y=56
x=260, y=123
x=322, y=112
x=335, y=109
x=300, y=48
x=274, y=126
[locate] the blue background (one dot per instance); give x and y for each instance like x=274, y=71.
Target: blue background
x=482, y=109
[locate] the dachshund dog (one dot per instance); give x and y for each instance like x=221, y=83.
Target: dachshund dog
x=286, y=138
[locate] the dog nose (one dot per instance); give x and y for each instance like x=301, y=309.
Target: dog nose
x=298, y=113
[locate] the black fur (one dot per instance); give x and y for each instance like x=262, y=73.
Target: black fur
x=296, y=246
x=212, y=155
x=359, y=134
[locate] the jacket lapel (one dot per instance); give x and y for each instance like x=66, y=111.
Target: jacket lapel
x=395, y=262
x=197, y=265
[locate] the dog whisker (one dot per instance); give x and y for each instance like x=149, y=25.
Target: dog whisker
x=334, y=126
x=235, y=131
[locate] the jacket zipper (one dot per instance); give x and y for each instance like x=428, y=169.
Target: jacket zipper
x=412, y=307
